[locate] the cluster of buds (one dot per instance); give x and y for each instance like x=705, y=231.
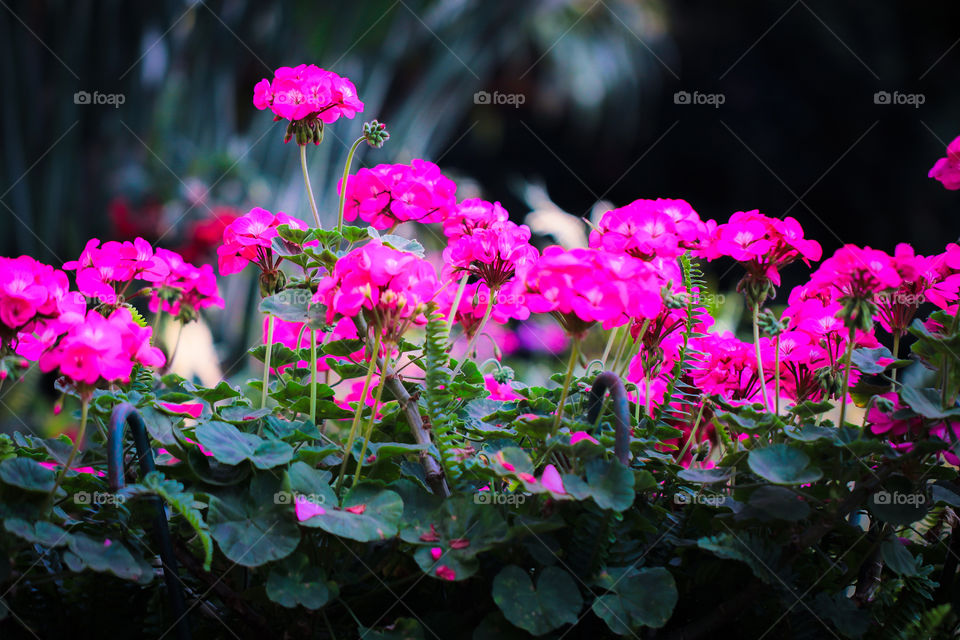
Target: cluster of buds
x=375, y=133
x=305, y=131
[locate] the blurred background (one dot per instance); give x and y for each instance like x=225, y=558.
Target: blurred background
x=124, y=119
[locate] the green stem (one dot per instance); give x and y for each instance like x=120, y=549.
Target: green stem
x=574, y=353
x=343, y=183
x=693, y=433
x=313, y=376
x=360, y=405
x=756, y=343
x=368, y=432
x=266, y=362
x=896, y=353
x=946, y=362
x=84, y=407
x=306, y=181
x=456, y=302
x=606, y=349
x=846, y=376
x=776, y=375
x=476, y=334
x=646, y=397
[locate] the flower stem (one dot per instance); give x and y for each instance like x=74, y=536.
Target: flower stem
x=343, y=183
x=84, y=407
x=306, y=182
x=646, y=397
x=313, y=376
x=846, y=376
x=896, y=353
x=776, y=376
x=756, y=343
x=476, y=334
x=606, y=349
x=368, y=432
x=574, y=353
x=266, y=363
x=456, y=302
x=360, y=405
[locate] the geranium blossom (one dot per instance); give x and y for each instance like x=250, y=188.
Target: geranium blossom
x=947, y=170
x=493, y=254
x=647, y=229
x=307, y=92
x=249, y=238
x=389, y=194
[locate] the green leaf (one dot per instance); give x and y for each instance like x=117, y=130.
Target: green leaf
x=231, y=446
x=342, y=347
x=280, y=354
x=41, y=532
x=774, y=503
x=293, y=305
x=706, y=476
x=898, y=558
x=899, y=502
x=926, y=402
x=295, y=581
x=554, y=602
x=109, y=556
x=27, y=474
x=645, y=598
x=867, y=360
x=252, y=529
x=378, y=520
x=608, y=483
x=783, y=464
x=401, y=629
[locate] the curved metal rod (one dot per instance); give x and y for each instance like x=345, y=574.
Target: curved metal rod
x=122, y=415
x=609, y=381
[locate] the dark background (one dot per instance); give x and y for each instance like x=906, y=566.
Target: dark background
x=798, y=133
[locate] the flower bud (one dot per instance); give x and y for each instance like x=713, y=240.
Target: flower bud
x=376, y=133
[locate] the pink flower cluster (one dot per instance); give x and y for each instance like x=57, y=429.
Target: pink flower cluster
x=390, y=194
x=585, y=286
x=947, y=170
x=102, y=348
x=494, y=254
x=249, y=238
x=389, y=286
x=649, y=229
x=307, y=92
x=185, y=289
x=32, y=295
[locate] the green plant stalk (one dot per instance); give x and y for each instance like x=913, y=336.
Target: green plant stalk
x=606, y=349
x=574, y=353
x=266, y=362
x=476, y=334
x=306, y=182
x=621, y=345
x=756, y=343
x=776, y=376
x=896, y=354
x=456, y=302
x=356, y=416
x=84, y=410
x=646, y=397
x=313, y=376
x=846, y=376
x=343, y=183
x=368, y=432
x=693, y=433
x=946, y=363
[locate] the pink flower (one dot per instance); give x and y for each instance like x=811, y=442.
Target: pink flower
x=435, y=553
x=390, y=287
x=651, y=228
x=306, y=508
x=552, y=481
x=307, y=92
x=855, y=273
x=53, y=466
x=185, y=289
x=473, y=214
x=249, y=238
x=446, y=573
x=493, y=254
x=192, y=409
x=947, y=170
x=577, y=436
x=499, y=390
x=389, y=194
x=584, y=286
x=32, y=294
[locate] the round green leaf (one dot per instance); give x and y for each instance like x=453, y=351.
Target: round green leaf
x=783, y=464
x=555, y=601
x=294, y=581
x=27, y=474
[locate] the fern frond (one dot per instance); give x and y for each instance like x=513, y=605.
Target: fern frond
x=694, y=283
x=436, y=394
